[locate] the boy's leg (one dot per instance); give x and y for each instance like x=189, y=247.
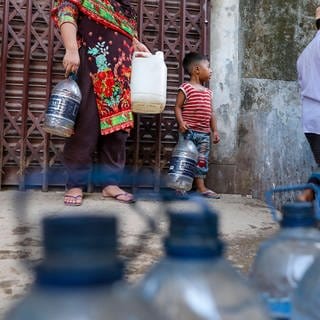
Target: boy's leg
x=202, y=142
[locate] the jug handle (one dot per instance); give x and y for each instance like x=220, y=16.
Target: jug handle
x=269, y=193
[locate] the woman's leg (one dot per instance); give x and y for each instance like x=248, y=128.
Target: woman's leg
x=112, y=159
x=79, y=148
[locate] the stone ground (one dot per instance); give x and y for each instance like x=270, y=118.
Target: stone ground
x=244, y=223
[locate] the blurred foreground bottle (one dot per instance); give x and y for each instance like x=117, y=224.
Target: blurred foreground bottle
x=282, y=260
x=182, y=166
x=306, y=298
x=193, y=281
x=75, y=281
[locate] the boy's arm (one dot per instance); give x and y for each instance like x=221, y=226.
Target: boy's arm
x=178, y=111
x=214, y=129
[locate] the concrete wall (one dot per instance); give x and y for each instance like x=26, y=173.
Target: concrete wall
x=254, y=47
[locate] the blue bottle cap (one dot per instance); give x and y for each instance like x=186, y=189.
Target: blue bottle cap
x=193, y=235
x=79, y=251
x=298, y=214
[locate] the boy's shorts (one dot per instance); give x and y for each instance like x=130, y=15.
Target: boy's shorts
x=202, y=142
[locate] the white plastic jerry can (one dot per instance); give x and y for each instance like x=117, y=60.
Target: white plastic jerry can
x=148, y=82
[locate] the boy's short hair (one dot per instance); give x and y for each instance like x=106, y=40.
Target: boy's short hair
x=190, y=59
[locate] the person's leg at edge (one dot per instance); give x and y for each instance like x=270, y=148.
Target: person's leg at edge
x=112, y=160
x=314, y=142
x=79, y=148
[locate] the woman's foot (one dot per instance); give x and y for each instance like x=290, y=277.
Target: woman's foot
x=209, y=194
x=114, y=192
x=73, y=197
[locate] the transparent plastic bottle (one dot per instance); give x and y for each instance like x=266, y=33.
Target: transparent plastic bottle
x=63, y=108
x=193, y=281
x=78, y=278
x=282, y=260
x=182, y=165
x=306, y=298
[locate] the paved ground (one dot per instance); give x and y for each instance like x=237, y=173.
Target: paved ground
x=244, y=224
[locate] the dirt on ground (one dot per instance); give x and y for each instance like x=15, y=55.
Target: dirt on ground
x=244, y=224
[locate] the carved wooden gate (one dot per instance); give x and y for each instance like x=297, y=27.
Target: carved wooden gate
x=30, y=65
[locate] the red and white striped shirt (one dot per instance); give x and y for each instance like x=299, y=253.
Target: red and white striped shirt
x=197, y=107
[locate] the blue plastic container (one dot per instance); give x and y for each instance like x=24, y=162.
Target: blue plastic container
x=282, y=260
x=193, y=280
x=79, y=277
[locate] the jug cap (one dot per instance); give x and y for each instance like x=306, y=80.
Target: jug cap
x=79, y=250
x=298, y=214
x=193, y=234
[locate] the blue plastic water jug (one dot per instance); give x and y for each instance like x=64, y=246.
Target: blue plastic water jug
x=282, y=260
x=79, y=275
x=306, y=298
x=193, y=280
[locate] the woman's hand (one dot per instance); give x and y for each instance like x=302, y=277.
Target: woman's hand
x=71, y=61
x=139, y=46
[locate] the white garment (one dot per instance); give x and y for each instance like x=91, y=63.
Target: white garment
x=308, y=67
x=310, y=115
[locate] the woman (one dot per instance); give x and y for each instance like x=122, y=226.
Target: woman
x=99, y=37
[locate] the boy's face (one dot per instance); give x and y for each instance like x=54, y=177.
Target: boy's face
x=204, y=70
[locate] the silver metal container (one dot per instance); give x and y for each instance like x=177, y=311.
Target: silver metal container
x=63, y=108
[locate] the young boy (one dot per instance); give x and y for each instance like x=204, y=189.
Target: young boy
x=195, y=115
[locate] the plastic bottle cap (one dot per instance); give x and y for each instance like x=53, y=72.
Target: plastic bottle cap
x=79, y=250
x=193, y=235
x=298, y=214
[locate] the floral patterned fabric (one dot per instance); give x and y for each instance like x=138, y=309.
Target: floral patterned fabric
x=109, y=55
x=110, y=13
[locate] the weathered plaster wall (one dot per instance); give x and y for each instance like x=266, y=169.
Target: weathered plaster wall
x=226, y=86
x=262, y=140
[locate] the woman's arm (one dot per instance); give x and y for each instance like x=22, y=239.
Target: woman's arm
x=66, y=15
x=139, y=46
x=71, y=59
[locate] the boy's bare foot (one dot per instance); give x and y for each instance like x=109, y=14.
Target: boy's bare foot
x=306, y=195
x=73, y=197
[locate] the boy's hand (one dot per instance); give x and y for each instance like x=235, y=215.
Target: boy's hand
x=215, y=137
x=183, y=127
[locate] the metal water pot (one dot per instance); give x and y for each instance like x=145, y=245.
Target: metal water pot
x=63, y=108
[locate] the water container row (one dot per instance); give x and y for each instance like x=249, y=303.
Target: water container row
x=81, y=276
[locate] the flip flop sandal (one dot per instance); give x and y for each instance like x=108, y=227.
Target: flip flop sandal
x=75, y=200
x=117, y=197
x=210, y=194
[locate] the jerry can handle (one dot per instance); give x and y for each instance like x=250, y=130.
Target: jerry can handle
x=269, y=193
